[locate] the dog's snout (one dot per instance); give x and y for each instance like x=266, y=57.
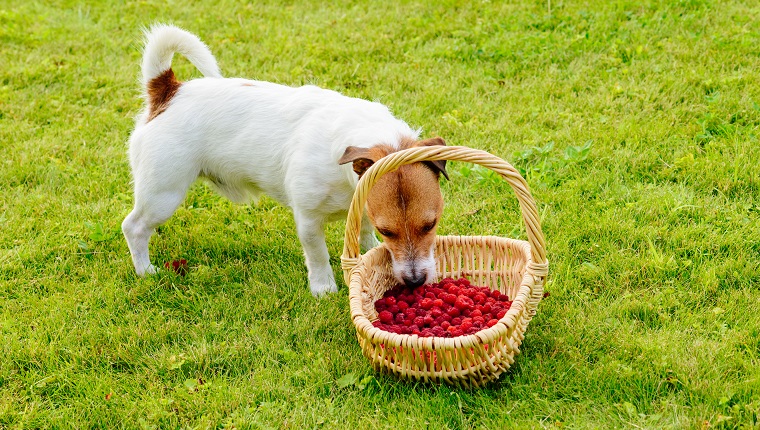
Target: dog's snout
x=415, y=280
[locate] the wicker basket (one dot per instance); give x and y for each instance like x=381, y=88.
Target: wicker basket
x=515, y=267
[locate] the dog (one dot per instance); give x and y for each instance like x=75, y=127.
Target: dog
x=306, y=147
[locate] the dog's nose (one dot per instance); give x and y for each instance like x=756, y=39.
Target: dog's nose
x=414, y=281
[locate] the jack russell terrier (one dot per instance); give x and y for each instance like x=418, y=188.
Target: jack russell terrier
x=248, y=138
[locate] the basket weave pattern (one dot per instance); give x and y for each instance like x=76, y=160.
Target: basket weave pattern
x=515, y=267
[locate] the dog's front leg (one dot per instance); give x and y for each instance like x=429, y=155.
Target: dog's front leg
x=312, y=236
x=367, y=236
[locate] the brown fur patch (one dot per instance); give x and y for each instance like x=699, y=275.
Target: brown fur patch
x=161, y=90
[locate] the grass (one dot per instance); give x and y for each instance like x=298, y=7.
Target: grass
x=635, y=124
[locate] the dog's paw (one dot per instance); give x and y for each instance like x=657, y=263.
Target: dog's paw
x=319, y=289
x=147, y=270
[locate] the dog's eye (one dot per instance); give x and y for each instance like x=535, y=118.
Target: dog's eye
x=429, y=226
x=386, y=233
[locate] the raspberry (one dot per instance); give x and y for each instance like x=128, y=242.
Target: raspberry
x=445, y=325
x=453, y=312
x=486, y=309
x=456, y=321
x=438, y=303
x=390, y=300
x=393, y=309
x=403, y=305
x=380, y=302
x=492, y=323
x=419, y=321
x=495, y=294
x=377, y=323
x=399, y=318
x=428, y=320
x=453, y=289
x=426, y=303
x=501, y=314
x=479, y=298
x=385, y=317
x=476, y=313
x=478, y=321
x=439, y=331
x=457, y=332
x=461, y=303
x=436, y=312
x=430, y=295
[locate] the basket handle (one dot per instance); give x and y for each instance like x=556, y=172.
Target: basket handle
x=351, y=250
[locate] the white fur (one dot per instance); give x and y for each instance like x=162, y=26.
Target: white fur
x=248, y=138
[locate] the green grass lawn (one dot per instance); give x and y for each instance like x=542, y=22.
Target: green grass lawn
x=634, y=122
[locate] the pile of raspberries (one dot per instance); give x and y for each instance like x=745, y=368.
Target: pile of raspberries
x=449, y=308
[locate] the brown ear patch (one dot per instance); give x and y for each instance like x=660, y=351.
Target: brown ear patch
x=161, y=90
x=438, y=166
x=364, y=158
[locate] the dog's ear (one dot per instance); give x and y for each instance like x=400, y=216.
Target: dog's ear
x=363, y=158
x=438, y=166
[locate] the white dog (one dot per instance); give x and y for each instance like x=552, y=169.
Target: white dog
x=251, y=137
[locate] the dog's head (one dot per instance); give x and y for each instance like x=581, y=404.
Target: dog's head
x=405, y=206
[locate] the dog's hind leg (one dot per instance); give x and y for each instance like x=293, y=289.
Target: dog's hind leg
x=155, y=202
x=312, y=236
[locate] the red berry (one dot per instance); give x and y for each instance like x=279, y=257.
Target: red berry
x=380, y=302
x=495, y=294
x=445, y=325
x=426, y=333
x=501, y=314
x=430, y=295
x=492, y=323
x=428, y=320
x=456, y=321
x=454, y=312
x=460, y=303
x=438, y=331
x=457, y=332
x=476, y=313
x=390, y=301
x=399, y=318
x=438, y=303
x=385, y=317
x=436, y=312
x=426, y=303
x=403, y=306
x=377, y=323
x=478, y=321
x=419, y=321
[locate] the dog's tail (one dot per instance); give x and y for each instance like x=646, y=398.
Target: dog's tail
x=162, y=41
